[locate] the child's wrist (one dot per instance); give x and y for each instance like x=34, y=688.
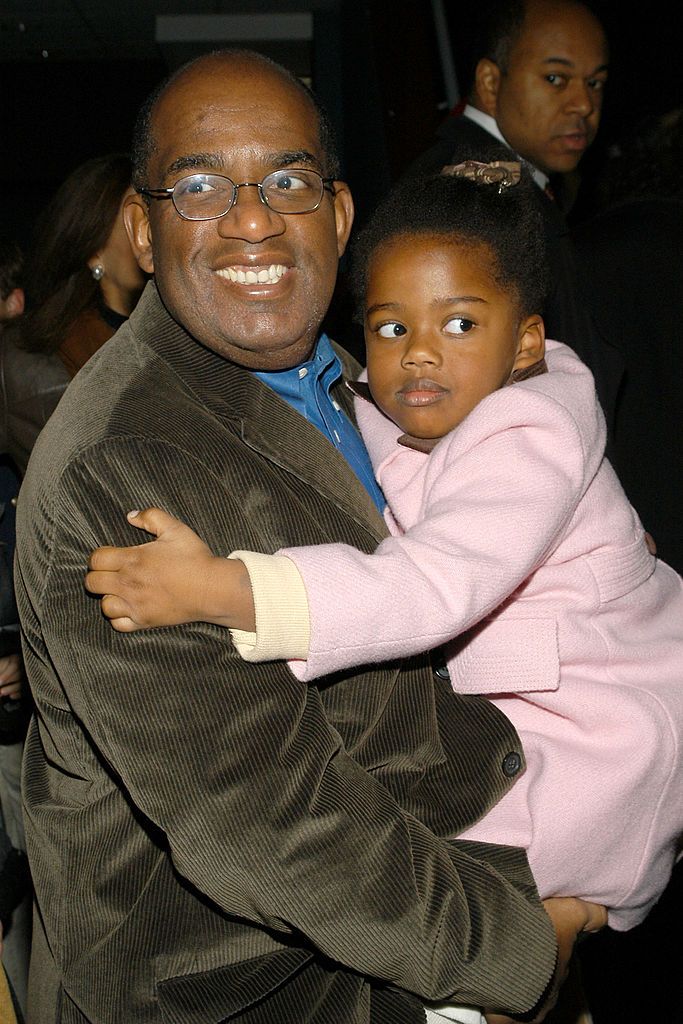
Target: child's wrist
x=229, y=599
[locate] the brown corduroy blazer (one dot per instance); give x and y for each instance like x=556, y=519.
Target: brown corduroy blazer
x=212, y=840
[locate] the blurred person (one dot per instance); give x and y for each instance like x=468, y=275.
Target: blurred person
x=12, y=296
x=630, y=264
x=15, y=898
x=14, y=882
x=82, y=283
x=537, y=92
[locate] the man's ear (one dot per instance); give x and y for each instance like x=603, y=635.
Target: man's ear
x=138, y=228
x=343, y=214
x=486, y=84
x=531, y=347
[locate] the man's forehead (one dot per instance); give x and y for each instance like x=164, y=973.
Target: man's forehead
x=233, y=86
x=551, y=29
x=221, y=113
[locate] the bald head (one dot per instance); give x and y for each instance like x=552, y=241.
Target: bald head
x=228, y=63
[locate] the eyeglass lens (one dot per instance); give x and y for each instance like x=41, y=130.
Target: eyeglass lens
x=204, y=196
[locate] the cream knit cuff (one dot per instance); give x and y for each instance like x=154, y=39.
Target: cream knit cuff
x=281, y=609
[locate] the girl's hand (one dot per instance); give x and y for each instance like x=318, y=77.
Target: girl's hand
x=172, y=580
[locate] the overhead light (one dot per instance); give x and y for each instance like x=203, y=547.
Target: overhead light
x=200, y=28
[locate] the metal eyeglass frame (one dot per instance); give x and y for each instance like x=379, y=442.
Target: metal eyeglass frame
x=169, y=193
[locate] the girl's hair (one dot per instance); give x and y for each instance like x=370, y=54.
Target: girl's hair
x=74, y=226
x=466, y=212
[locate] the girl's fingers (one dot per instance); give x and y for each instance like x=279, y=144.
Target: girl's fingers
x=153, y=520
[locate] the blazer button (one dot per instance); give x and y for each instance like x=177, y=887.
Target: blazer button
x=439, y=666
x=512, y=763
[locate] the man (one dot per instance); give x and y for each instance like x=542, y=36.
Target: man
x=212, y=840
x=537, y=91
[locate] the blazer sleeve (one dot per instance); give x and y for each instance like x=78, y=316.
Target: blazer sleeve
x=498, y=495
x=265, y=812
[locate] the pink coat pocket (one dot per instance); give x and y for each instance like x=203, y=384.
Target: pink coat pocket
x=506, y=656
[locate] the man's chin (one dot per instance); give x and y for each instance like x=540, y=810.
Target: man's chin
x=282, y=357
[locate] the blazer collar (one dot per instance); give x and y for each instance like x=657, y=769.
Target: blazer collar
x=266, y=422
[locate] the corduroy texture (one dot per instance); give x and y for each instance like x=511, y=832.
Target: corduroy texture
x=211, y=839
x=7, y=1005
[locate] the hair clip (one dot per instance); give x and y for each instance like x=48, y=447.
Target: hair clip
x=499, y=173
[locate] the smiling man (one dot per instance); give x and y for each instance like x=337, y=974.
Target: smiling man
x=211, y=839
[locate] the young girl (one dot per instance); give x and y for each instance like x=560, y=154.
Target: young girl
x=514, y=549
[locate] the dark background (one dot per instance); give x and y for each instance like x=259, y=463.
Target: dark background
x=74, y=72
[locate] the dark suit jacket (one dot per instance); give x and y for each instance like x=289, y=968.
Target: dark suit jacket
x=212, y=839
x=566, y=313
x=630, y=266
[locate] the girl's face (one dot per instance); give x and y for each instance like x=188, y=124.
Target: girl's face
x=440, y=332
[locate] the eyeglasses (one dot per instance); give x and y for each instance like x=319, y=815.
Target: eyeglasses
x=208, y=196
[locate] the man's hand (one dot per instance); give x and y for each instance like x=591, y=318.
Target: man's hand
x=167, y=582
x=11, y=675
x=570, y=917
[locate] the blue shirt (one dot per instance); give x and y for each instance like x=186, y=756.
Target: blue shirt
x=307, y=389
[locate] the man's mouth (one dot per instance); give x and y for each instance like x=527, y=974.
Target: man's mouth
x=255, y=274
x=576, y=140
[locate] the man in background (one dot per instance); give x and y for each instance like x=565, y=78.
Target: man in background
x=537, y=96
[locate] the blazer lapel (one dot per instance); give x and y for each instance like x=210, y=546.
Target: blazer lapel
x=267, y=423
x=279, y=433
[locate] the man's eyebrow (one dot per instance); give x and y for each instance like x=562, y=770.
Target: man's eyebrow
x=570, y=64
x=216, y=162
x=294, y=158
x=192, y=161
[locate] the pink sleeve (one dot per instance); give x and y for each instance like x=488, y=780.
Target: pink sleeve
x=497, y=496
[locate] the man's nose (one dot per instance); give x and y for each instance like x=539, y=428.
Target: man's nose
x=580, y=99
x=250, y=217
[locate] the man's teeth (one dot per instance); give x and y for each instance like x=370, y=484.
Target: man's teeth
x=260, y=275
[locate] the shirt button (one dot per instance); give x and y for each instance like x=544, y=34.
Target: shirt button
x=512, y=763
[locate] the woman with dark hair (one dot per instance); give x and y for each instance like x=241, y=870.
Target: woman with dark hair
x=82, y=283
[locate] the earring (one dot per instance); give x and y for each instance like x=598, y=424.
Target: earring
x=97, y=271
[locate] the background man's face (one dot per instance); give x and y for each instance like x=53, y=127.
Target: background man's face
x=243, y=120
x=549, y=99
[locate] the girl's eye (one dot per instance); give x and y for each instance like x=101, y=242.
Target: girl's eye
x=459, y=325
x=391, y=330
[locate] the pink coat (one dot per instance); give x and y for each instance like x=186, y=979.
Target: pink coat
x=515, y=536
